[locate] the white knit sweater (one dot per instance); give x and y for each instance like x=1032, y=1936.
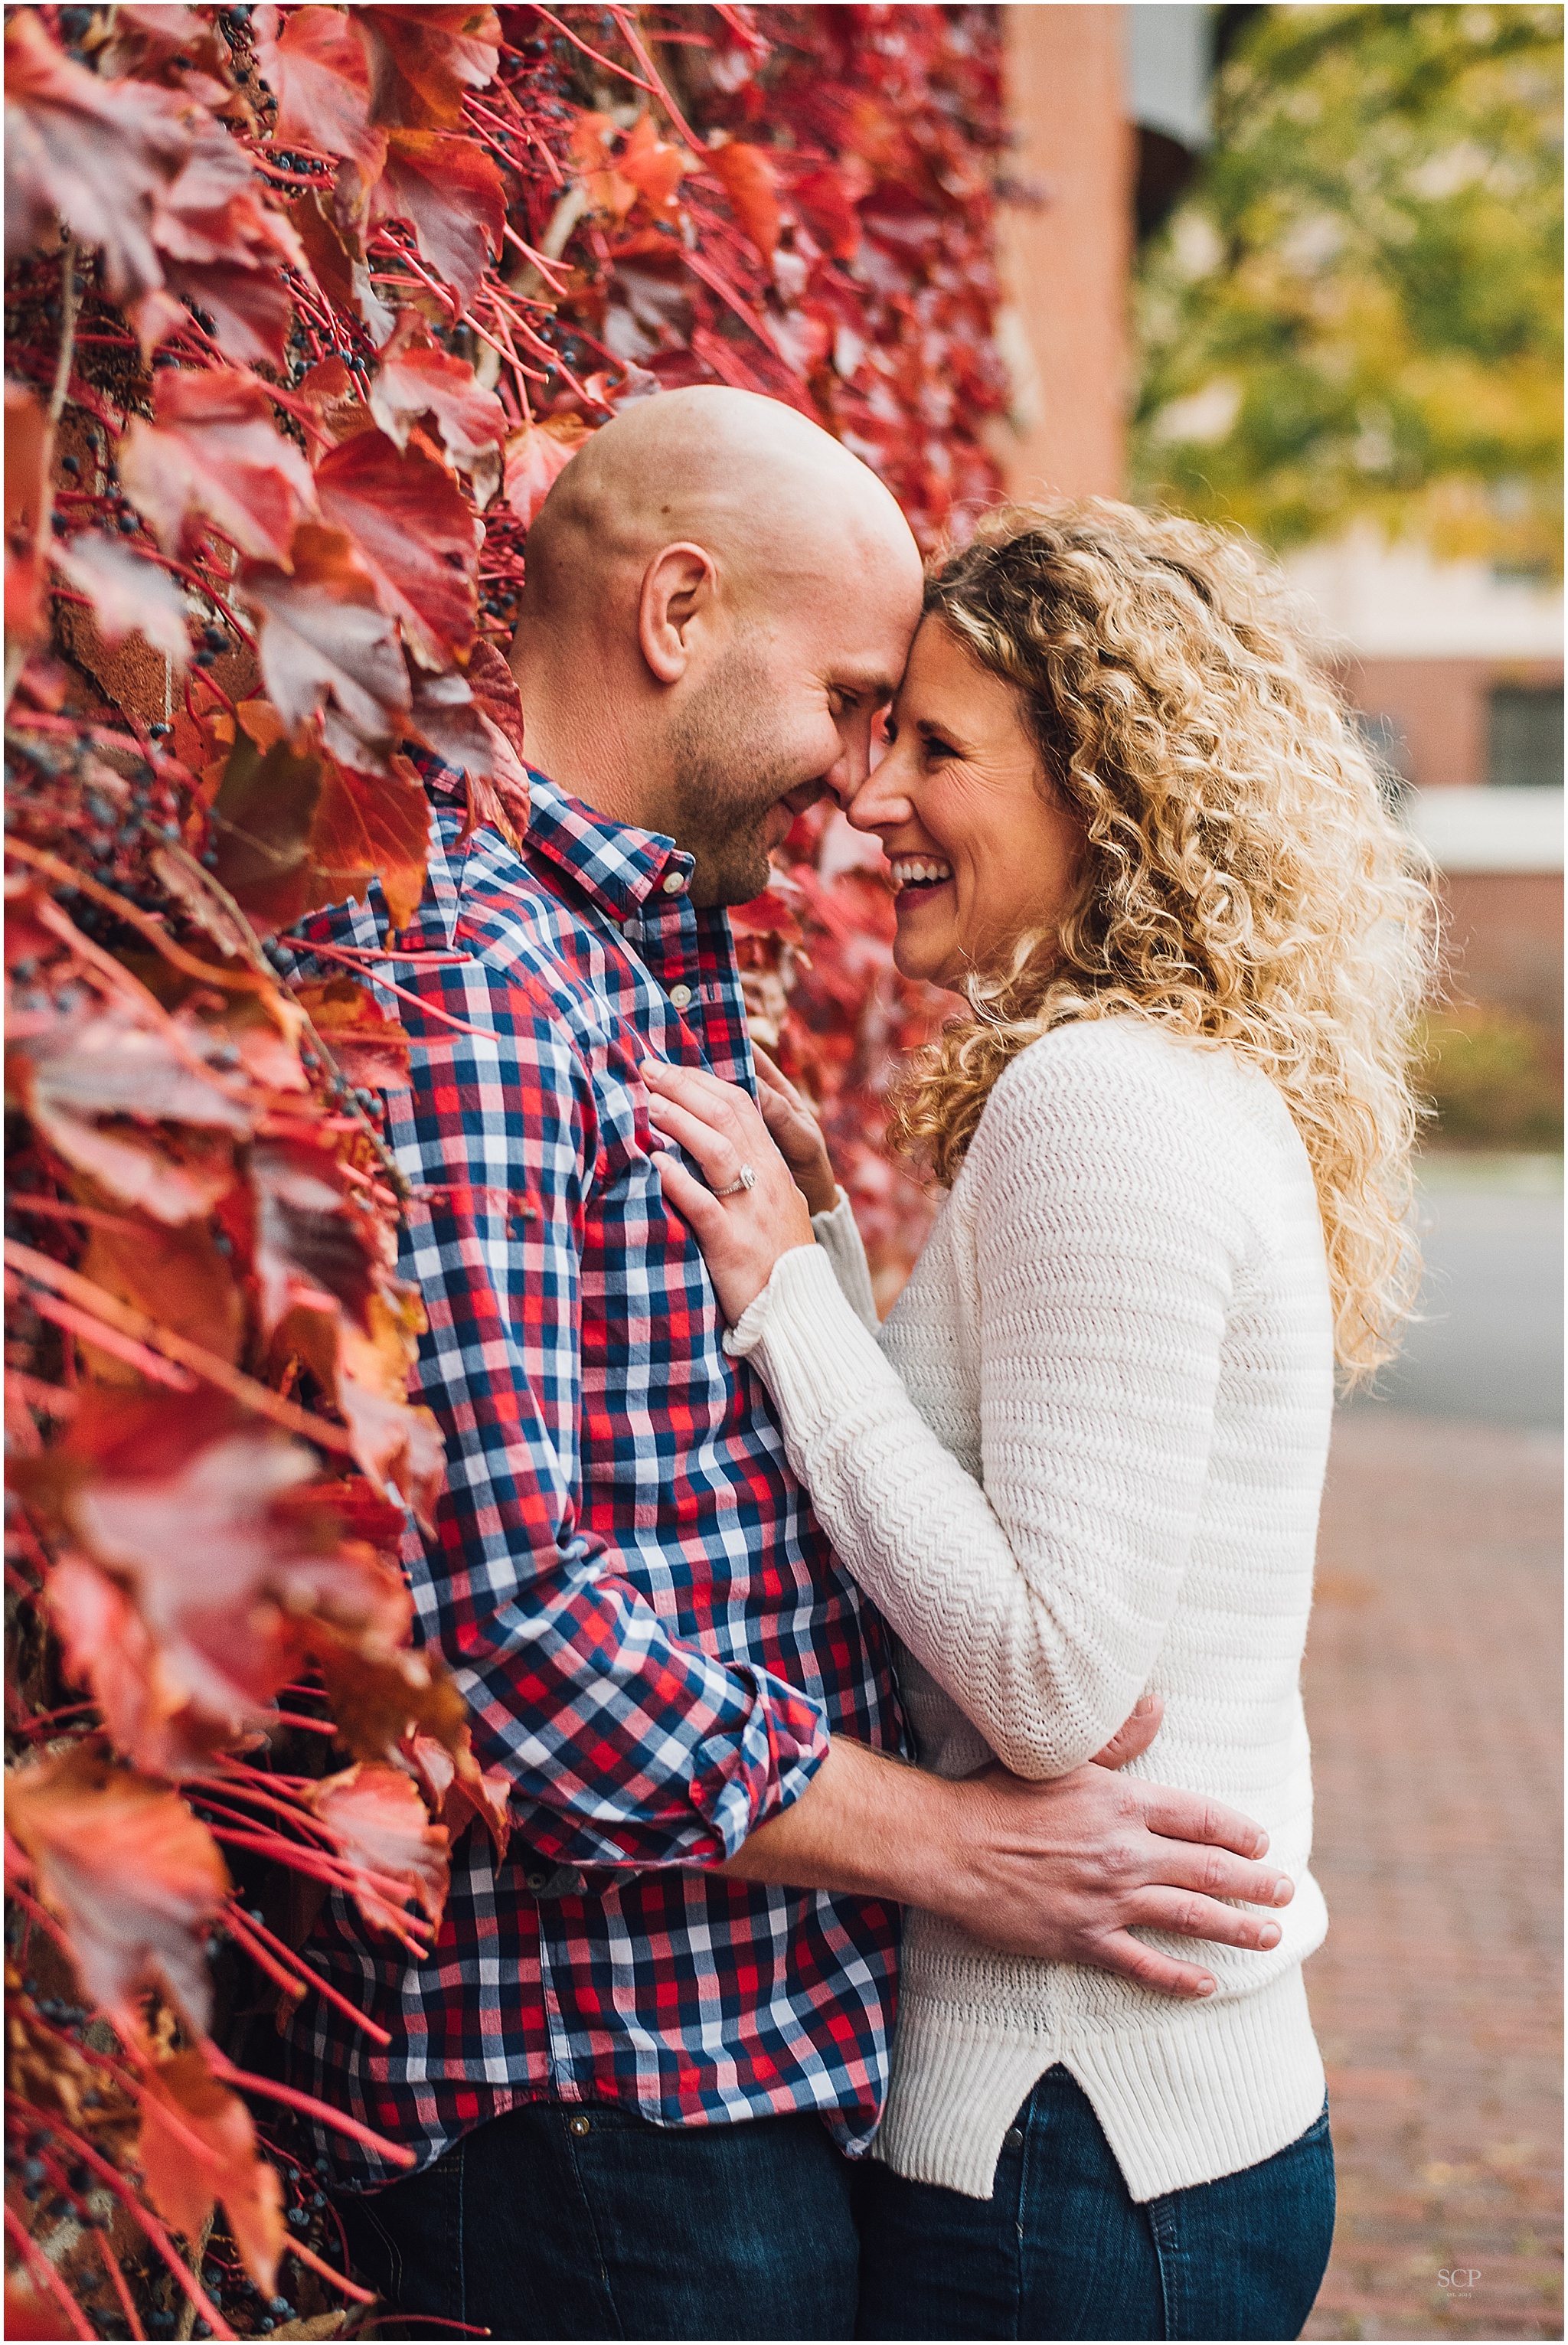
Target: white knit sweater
x=1085, y=1457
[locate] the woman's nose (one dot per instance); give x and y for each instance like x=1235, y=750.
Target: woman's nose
x=880, y=804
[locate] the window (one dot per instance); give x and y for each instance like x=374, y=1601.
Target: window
x=1525, y=737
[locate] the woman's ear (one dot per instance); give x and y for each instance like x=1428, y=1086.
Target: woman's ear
x=678, y=587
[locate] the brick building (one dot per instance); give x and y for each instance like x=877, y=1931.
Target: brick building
x=1458, y=673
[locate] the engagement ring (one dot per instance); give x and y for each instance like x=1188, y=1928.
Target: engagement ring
x=745, y=1179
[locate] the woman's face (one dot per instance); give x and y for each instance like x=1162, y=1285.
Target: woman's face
x=979, y=847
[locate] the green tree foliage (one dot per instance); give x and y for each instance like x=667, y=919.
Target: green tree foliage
x=1358, y=310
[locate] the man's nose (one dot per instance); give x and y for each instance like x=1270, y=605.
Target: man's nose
x=848, y=772
x=805, y=795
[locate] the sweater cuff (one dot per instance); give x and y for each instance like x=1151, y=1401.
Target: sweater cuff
x=811, y=1357
x=838, y=1233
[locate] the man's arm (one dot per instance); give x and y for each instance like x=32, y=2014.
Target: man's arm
x=625, y=1744
x=1057, y=1870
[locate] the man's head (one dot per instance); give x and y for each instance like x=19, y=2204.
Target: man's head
x=719, y=597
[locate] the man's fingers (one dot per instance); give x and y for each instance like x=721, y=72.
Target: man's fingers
x=1186, y=1815
x=771, y=1077
x=1190, y=1916
x=781, y=1116
x=1178, y=1864
x=1133, y=1738
x=1128, y=1958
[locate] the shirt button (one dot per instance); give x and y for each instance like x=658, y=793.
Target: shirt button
x=680, y=995
x=1012, y=2138
x=674, y=883
x=579, y=2126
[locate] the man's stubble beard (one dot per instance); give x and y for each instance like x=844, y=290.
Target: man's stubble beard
x=727, y=779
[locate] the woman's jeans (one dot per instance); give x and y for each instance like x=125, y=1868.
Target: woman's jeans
x=1062, y=2251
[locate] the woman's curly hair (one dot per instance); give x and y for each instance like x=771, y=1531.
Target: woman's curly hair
x=1243, y=881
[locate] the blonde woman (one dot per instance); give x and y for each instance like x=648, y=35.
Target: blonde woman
x=1082, y=1459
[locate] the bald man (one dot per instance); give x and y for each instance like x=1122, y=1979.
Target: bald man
x=652, y=2040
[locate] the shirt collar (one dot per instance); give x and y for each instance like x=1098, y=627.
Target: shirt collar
x=616, y=866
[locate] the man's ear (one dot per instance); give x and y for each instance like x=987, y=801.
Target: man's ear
x=678, y=588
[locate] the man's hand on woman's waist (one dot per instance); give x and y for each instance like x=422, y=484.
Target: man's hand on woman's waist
x=1059, y=1871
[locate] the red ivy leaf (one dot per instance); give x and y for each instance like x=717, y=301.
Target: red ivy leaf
x=215, y=451
x=415, y=378
x=368, y=827
x=371, y=1048
x=263, y=812
x=95, y=153
x=311, y=1251
x=183, y=2190
x=319, y=66
x=130, y=1872
x=654, y=170
x=451, y=716
x=336, y=399
x=425, y=57
x=414, y=533
x=128, y=593
x=104, y=1067
x=336, y=253
x=750, y=183
x=456, y=1791
x=173, y=1503
x=367, y=1368
x=327, y=642
x=824, y=203
x=379, y=1822
x=535, y=457
x=26, y=487
x=145, y=40
x=452, y=196
x=176, y=1276
x=224, y=248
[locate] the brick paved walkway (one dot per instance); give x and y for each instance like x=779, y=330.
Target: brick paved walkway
x=1432, y=1691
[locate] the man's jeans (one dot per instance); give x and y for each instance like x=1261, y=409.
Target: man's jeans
x=585, y=2220
x=1062, y=2251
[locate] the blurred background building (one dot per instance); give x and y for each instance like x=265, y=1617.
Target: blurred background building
x=1298, y=268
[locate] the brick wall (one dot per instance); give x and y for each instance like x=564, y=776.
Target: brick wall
x=1439, y=707
x=1504, y=940
x=1067, y=243
x=1503, y=929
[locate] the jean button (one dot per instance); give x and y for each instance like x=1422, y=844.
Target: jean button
x=579, y=2126
x=1014, y=2137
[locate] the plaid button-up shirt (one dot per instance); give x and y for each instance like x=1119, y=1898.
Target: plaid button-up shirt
x=651, y=1630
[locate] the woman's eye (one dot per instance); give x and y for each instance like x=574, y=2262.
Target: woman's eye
x=936, y=748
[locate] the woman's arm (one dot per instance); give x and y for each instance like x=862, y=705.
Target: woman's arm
x=1105, y=1238
x=839, y=1240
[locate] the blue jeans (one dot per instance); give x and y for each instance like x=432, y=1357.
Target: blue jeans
x=585, y=2220
x=1062, y=2251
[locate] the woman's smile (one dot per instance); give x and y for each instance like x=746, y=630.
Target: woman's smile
x=918, y=878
